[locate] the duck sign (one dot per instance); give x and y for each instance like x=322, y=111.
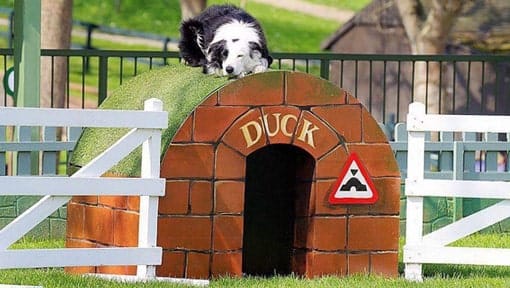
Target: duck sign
x=354, y=185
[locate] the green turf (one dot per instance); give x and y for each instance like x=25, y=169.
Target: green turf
x=180, y=88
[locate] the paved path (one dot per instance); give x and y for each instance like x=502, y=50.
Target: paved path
x=322, y=11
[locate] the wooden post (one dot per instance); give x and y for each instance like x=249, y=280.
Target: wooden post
x=415, y=159
x=27, y=52
x=147, y=228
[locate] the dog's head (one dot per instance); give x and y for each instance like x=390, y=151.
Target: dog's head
x=235, y=57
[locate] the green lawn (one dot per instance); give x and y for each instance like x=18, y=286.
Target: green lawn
x=435, y=275
x=286, y=31
x=355, y=5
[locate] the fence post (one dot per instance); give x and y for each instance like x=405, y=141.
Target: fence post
x=147, y=228
x=415, y=164
x=103, y=78
x=324, y=69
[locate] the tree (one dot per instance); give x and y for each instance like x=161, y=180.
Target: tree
x=428, y=30
x=56, y=25
x=191, y=8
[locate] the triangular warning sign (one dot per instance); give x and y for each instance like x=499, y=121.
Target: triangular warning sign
x=354, y=185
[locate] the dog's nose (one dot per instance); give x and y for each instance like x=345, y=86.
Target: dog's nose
x=229, y=69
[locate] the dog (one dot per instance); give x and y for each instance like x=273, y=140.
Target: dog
x=225, y=41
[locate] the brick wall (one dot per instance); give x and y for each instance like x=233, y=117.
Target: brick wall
x=202, y=217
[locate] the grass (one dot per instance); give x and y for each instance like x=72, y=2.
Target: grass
x=163, y=18
x=356, y=5
x=435, y=275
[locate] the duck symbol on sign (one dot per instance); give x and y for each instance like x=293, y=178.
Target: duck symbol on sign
x=354, y=185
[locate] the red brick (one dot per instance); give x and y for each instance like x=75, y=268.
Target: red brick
x=229, y=164
x=321, y=263
x=322, y=206
x=331, y=164
x=228, y=233
x=74, y=243
x=256, y=89
x=314, y=136
x=385, y=264
x=227, y=264
x=125, y=228
x=255, y=136
x=303, y=232
x=172, y=265
x=201, y=197
x=75, y=220
x=373, y=233
x=345, y=119
x=350, y=99
x=185, y=232
x=211, y=100
x=133, y=203
x=299, y=262
x=176, y=197
x=99, y=224
x=117, y=270
x=378, y=159
x=198, y=265
x=281, y=123
x=212, y=121
x=358, y=263
x=90, y=200
x=388, y=203
x=328, y=233
x=119, y=202
x=229, y=197
x=185, y=132
x=306, y=90
x=188, y=161
x=372, y=133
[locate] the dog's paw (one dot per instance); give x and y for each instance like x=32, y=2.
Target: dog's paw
x=259, y=69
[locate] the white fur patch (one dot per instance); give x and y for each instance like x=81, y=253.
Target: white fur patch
x=236, y=30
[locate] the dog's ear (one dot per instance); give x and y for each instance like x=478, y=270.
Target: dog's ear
x=216, y=51
x=192, y=26
x=269, y=61
x=254, y=46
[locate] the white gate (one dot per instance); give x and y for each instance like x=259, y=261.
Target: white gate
x=57, y=191
x=432, y=248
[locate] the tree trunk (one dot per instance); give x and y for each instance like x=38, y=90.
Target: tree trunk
x=191, y=8
x=428, y=34
x=56, y=24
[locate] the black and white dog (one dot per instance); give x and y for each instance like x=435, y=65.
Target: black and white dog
x=225, y=41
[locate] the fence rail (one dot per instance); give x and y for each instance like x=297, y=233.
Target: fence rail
x=471, y=84
x=57, y=191
x=431, y=248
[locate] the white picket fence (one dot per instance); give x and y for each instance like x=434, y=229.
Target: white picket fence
x=56, y=191
x=432, y=248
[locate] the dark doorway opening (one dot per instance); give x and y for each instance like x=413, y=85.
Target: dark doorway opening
x=277, y=192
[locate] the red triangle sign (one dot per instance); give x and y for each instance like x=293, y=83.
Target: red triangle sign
x=354, y=185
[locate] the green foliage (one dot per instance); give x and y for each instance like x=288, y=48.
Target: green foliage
x=343, y=4
x=286, y=31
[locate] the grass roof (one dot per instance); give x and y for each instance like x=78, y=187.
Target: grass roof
x=180, y=88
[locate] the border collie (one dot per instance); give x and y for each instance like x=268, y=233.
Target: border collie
x=225, y=41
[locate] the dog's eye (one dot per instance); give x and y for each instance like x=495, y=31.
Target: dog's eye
x=224, y=53
x=240, y=56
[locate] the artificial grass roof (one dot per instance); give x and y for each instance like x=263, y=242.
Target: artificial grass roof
x=180, y=88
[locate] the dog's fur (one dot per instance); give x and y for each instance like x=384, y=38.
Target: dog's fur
x=225, y=41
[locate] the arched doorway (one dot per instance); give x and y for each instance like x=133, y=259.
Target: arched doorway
x=278, y=184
